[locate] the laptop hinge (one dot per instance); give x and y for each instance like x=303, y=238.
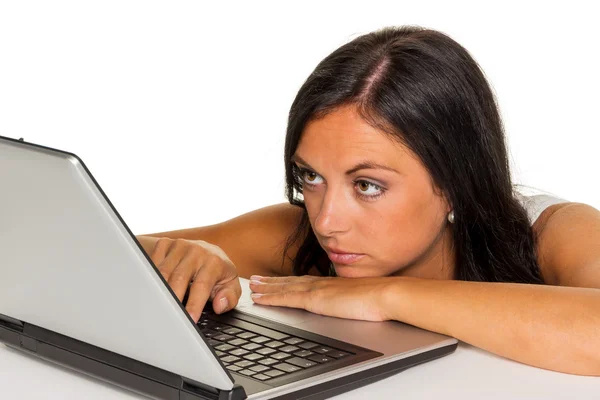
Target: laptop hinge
x=198, y=389
x=11, y=323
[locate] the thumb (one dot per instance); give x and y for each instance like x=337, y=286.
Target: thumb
x=225, y=300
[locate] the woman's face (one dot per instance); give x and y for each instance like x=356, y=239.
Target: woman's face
x=370, y=196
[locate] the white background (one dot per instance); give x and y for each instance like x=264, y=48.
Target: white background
x=179, y=108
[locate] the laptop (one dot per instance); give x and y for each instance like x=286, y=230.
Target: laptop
x=78, y=289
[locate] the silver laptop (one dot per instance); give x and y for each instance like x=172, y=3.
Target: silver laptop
x=78, y=289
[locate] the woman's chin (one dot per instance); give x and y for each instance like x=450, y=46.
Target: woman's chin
x=354, y=271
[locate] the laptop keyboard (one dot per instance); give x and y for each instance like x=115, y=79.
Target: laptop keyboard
x=262, y=353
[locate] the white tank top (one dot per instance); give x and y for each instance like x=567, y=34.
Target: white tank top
x=537, y=203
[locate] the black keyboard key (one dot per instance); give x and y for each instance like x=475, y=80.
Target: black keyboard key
x=239, y=352
x=253, y=357
x=246, y=335
x=321, y=349
x=268, y=361
x=260, y=339
x=230, y=359
x=261, y=377
x=232, y=331
x=303, y=353
x=244, y=363
x=252, y=346
x=259, y=368
x=293, y=340
x=307, y=345
x=337, y=354
x=223, y=337
x=274, y=373
x=274, y=344
x=288, y=349
x=233, y=368
x=208, y=333
x=280, y=356
x=247, y=372
x=265, y=351
x=218, y=327
x=237, y=342
x=320, y=358
x=224, y=347
x=287, y=367
x=213, y=342
x=300, y=362
x=220, y=353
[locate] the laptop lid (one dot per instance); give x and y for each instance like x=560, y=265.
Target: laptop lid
x=66, y=237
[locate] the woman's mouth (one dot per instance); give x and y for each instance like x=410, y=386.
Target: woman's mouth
x=343, y=258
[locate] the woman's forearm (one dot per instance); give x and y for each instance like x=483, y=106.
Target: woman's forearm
x=551, y=327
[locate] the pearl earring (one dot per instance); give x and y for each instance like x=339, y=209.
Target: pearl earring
x=451, y=217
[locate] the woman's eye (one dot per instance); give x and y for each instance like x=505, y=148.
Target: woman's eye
x=311, y=178
x=364, y=186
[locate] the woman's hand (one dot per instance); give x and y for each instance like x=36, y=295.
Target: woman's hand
x=353, y=298
x=211, y=273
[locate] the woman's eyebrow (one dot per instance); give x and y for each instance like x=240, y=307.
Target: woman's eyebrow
x=361, y=165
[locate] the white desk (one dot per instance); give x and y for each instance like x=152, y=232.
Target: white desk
x=468, y=373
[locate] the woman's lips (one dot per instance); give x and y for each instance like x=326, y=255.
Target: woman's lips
x=344, y=258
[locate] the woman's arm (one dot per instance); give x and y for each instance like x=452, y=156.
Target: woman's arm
x=253, y=241
x=556, y=328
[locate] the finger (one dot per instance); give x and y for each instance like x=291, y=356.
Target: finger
x=263, y=287
x=285, y=279
x=226, y=299
x=159, y=251
x=201, y=289
x=172, y=258
x=284, y=299
x=181, y=276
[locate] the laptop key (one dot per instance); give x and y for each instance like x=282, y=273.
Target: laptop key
x=252, y=346
x=253, y=356
x=274, y=344
x=280, y=356
x=246, y=335
x=300, y=362
x=237, y=342
x=259, y=368
x=307, y=345
x=239, y=352
x=261, y=377
x=303, y=353
x=287, y=367
x=320, y=358
x=268, y=361
x=321, y=349
x=230, y=359
x=224, y=347
x=223, y=337
x=213, y=343
x=288, y=349
x=232, y=331
x=293, y=340
x=260, y=339
x=233, y=368
x=265, y=351
x=247, y=372
x=220, y=353
x=274, y=373
x=244, y=363
x=337, y=354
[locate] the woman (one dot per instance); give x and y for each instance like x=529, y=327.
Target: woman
x=398, y=183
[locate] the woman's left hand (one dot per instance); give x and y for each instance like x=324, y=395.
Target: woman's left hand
x=353, y=298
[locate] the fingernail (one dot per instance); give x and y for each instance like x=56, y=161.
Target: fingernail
x=255, y=295
x=256, y=282
x=255, y=278
x=224, y=303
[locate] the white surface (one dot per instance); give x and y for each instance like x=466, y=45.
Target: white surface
x=468, y=373
x=180, y=108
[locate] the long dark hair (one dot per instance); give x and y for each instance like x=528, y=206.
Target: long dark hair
x=425, y=90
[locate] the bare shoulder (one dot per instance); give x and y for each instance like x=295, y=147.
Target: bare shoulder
x=254, y=241
x=568, y=251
